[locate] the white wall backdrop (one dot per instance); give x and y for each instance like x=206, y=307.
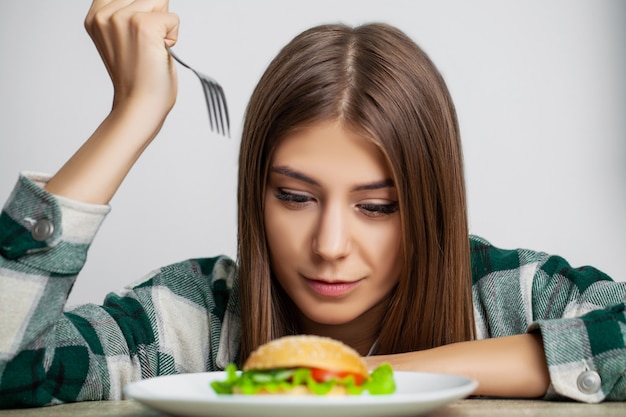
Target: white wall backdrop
x=539, y=85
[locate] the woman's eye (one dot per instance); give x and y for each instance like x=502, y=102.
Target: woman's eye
x=292, y=199
x=377, y=210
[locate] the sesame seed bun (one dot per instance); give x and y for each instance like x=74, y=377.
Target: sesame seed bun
x=308, y=352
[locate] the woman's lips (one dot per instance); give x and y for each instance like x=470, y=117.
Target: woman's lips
x=332, y=289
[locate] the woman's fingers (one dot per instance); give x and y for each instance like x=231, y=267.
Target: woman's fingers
x=105, y=8
x=101, y=10
x=131, y=37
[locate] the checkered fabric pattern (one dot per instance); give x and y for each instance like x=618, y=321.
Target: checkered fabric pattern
x=185, y=317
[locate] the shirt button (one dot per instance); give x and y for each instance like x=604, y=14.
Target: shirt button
x=589, y=382
x=42, y=230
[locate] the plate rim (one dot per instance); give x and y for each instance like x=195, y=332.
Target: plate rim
x=137, y=390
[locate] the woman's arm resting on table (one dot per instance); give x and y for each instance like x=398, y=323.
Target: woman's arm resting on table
x=512, y=366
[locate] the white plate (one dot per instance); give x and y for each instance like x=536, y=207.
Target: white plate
x=191, y=395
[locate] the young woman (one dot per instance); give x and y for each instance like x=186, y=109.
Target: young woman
x=352, y=224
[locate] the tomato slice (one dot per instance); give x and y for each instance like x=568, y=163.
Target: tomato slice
x=323, y=375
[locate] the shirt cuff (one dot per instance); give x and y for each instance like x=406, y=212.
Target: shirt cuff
x=582, y=367
x=47, y=231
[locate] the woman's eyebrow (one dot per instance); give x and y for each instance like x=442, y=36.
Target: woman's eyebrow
x=283, y=170
x=294, y=174
x=387, y=183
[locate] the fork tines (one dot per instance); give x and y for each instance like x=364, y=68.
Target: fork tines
x=215, y=100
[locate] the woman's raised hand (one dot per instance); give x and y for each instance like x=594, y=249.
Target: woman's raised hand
x=132, y=38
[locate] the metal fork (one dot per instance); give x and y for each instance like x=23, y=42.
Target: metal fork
x=215, y=100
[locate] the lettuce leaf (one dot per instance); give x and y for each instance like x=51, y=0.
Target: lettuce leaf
x=250, y=382
x=381, y=380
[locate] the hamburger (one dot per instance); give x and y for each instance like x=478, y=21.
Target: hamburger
x=305, y=365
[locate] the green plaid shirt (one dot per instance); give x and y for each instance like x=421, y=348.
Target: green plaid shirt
x=185, y=317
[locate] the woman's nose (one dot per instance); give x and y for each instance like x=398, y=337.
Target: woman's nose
x=332, y=238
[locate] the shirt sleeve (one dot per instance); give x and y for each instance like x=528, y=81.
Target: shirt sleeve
x=49, y=355
x=581, y=315
x=44, y=241
x=578, y=311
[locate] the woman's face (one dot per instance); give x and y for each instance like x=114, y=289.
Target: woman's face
x=332, y=223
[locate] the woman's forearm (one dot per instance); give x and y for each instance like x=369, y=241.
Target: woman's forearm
x=94, y=173
x=512, y=366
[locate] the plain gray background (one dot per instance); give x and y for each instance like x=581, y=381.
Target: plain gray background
x=539, y=87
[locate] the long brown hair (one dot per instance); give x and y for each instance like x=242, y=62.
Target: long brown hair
x=383, y=86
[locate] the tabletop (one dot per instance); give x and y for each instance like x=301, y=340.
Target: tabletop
x=462, y=408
